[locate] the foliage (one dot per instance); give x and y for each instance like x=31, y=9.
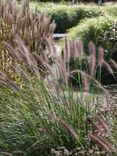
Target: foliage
x=68, y=16
x=101, y=30
x=111, y=10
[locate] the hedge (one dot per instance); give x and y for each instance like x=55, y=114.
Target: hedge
x=67, y=16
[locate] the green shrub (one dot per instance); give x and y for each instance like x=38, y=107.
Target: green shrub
x=101, y=30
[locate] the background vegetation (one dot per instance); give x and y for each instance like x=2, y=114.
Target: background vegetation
x=69, y=16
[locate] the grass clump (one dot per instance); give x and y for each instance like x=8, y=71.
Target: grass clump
x=36, y=127
x=45, y=117
x=42, y=115
x=33, y=27
x=39, y=120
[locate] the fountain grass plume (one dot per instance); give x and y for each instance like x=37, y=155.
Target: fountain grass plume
x=32, y=60
x=85, y=81
x=96, y=83
x=5, y=80
x=108, y=67
x=92, y=63
x=92, y=58
x=66, y=53
x=101, y=134
x=113, y=63
x=100, y=56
